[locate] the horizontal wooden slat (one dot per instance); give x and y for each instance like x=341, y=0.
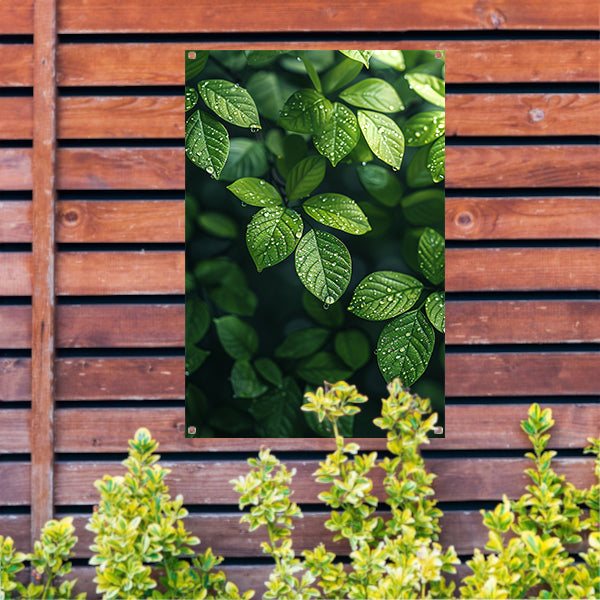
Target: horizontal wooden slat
x=16, y=65
x=16, y=271
x=522, y=218
x=16, y=118
x=120, y=168
x=522, y=114
x=522, y=269
x=525, y=374
x=468, y=61
x=15, y=326
x=523, y=321
x=15, y=169
x=15, y=433
x=15, y=221
x=99, y=378
x=16, y=488
x=16, y=16
x=121, y=221
x=522, y=166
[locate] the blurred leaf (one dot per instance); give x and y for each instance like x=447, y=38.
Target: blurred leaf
x=390, y=58
x=197, y=320
x=384, y=294
x=302, y=342
x=425, y=207
x=338, y=211
x=324, y=314
x=339, y=135
x=269, y=93
x=320, y=59
x=323, y=265
x=352, y=346
x=244, y=381
x=362, y=56
x=274, y=141
x=194, y=357
x=260, y=58
x=304, y=177
x=424, y=127
x=235, y=299
x=373, y=93
x=417, y=173
x=432, y=255
x=294, y=150
x=206, y=143
x=361, y=152
x=323, y=366
x=230, y=101
x=218, y=224
x=194, y=66
x=272, y=235
x=325, y=427
x=269, y=371
x=340, y=75
x=435, y=307
x=229, y=419
x=256, y=192
x=278, y=411
x=238, y=338
x=405, y=346
x=383, y=136
x=306, y=111
x=218, y=271
x=436, y=160
x=380, y=183
x=247, y=158
x=428, y=87
x=312, y=72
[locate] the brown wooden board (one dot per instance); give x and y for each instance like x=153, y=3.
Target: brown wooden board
x=526, y=374
x=16, y=118
x=15, y=434
x=522, y=269
x=15, y=221
x=485, y=61
x=15, y=169
x=522, y=218
x=522, y=321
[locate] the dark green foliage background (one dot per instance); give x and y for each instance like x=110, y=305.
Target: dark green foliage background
x=221, y=273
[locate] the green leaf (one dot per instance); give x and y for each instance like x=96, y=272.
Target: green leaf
x=425, y=127
x=428, y=87
x=321, y=367
x=405, y=346
x=219, y=271
x=302, y=342
x=194, y=358
x=191, y=97
x=323, y=265
x=320, y=59
x=338, y=211
x=352, y=346
x=245, y=382
x=312, y=72
x=417, y=173
x=294, y=150
x=247, y=158
x=340, y=75
x=328, y=315
x=435, y=307
x=325, y=428
x=361, y=152
x=256, y=192
x=269, y=93
x=194, y=66
x=373, y=93
x=197, y=320
x=380, y=183
x=260, y=58
x=218, y=224
x=304, y=177
x=206, y=143
x=391, y=58
x=436, y=161
x=230, y=101
x=425, y=207
x=432, y=255
x=238, y=338
x=384, y=294
x=339, y=135
x=272, y=235
x=278, y=411
x=383, y=136
x=306, y=111
x=269, y=371
x=362, y=56
x=235, y=299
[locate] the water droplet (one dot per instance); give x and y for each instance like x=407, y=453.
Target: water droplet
x=329, y=300
x=254, y=128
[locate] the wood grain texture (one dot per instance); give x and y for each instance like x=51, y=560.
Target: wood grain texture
x=120, y=168
x=16, y=274
x=16, y=483
x=15, y=438
x=522, y=218
x=523, y=322
x=121, y=221
x=522, y=166
x=467, y=427
x=15, y=221
x=16, y=65
x=16, y=16
x=84, y=326
x=208, y=482
x=522, y=114
x=481, y=61
x=121, y=117
x=522, y=269
x=196, y=16
x=15, y=169
x=16, y=118
x=529, y=374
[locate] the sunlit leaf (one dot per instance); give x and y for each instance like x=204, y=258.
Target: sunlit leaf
x=432, y=89
x=206, y=142
x=306, y=111
x=230, y=101
x=432, y=255
x=435, y=307
x=338, y=211
x=191, y=97
x=339, y=135
x=373, y=93
x=362, y=56
x=424, y=127
x=256, y=192
x=391, y=58
x=383, y=136
x=436, y=161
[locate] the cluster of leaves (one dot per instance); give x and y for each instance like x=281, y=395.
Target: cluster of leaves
x=310, y=141
x=400, y=557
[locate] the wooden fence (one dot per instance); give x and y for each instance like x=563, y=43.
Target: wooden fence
x=92, y=248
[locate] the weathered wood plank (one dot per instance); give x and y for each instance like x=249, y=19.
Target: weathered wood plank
x=196, y=16
x=16, y=16
x=16, y=483
x=522, y=114
x=522, y=269
x=522, y=166
x=529, y=374
x=522, y=218
x=15, y=435
x=16, y=118
x=15, y=221
x=121, y=221
x=15, y=326
x=16, y=65
x=468, y=61
x=16, y=271
x=522, y=322
x=15, y=169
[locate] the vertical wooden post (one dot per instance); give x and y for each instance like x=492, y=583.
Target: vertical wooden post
x=43, y=301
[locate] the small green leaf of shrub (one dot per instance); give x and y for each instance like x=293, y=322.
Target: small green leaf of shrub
x=436, y=160
x=435, y=307
x=374, y=94
x=428, y=87
x=383, y=136
x=238, y=338
x=206, y=142
x=304, y=177
x=337, y=211
x=432, y=255
x=302, y=342
x=339, y=135
x=306, y=111
x=256, y=192
x=362, y=56
x=352, y=346
x=230, y=101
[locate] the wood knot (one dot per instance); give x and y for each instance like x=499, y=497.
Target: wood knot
x=71, y=216
x=497, y=18
x=536, y=114
x=464, y=219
